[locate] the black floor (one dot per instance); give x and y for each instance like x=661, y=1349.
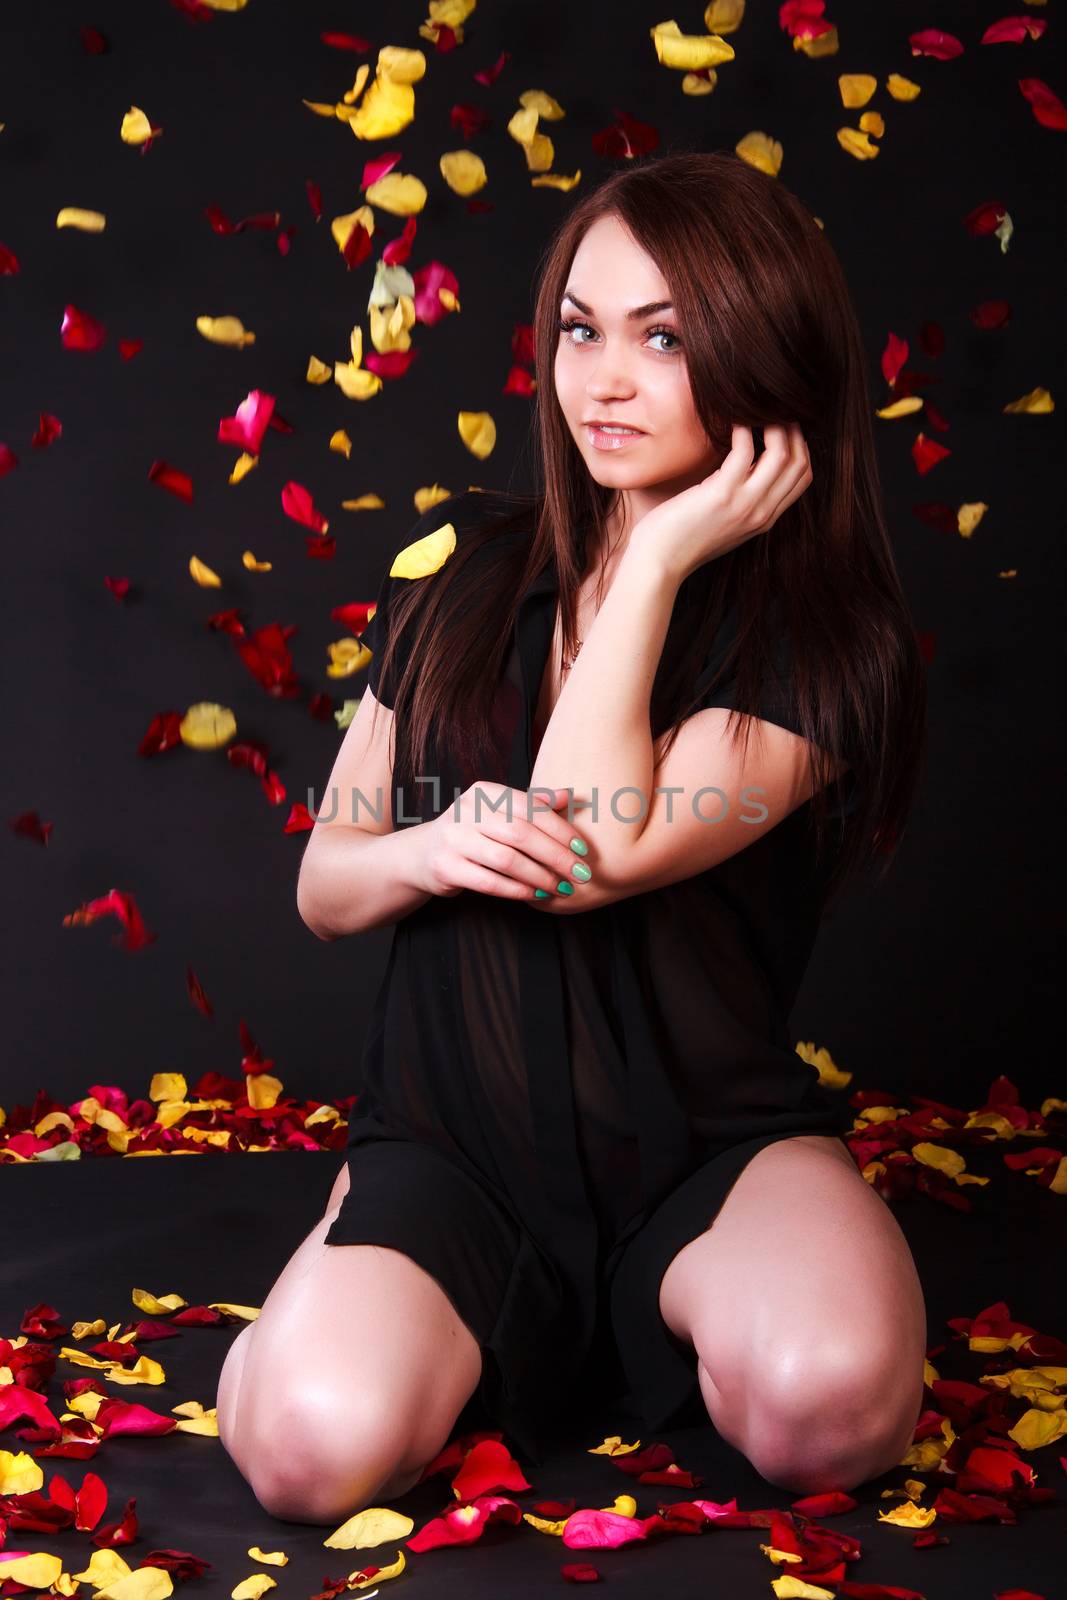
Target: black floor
x=80, y=1237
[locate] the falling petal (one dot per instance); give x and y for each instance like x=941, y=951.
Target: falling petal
x=169, y=477
x=1037, y=401
x=688, y=52
x=463, y=171
x=225, y=330
x=80, y=331
x=298, y=504
x=902, y=88
x=128, y=348
x=49, y=429
x=400, y=193
x=243, y=466
x=318, y=371
x=478, y=432
x=250, y=422
x=136, y=128
x=9, y=262
x=206, y=726
x=8, y=459
x=762, y=152
x=341, y=443
x=248, y=560
x=933, y=42
x=1048, y=108
x=203, y=575
x=856, y=88
x=86, y=221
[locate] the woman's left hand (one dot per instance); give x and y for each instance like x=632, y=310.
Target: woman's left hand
x=731, y=504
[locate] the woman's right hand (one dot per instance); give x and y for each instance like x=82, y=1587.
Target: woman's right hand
x=482, y=842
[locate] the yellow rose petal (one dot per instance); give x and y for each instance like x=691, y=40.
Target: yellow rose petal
x=340, y=442
x=909, y=1515
x=1038, y=400
x=902, y=88
x=967, y=519
x=86, y=221
x=343, y=226
x=463, y=171
x=347, y=656
x=318, y=371
x=136, y=127
x=386, y=110
x=248, y=560
x=478, y=432
x=226, y=5
x=556, y=180
x=207, y=726
x=856, y=144
x=856, y=88
x=19, y=1474
x=904, y=407
x=243, y=466
x=203, y=575
x=689, y=52
x=37, y=1571
x=355, y=383
x=537, y=100
x=873, y=122
x=693, y=83
x=270, y=1558
x=320, y=108
x=761, y=151
x=400, y=193
x=724, y=16
x=826, y=44
x=369, y=1528
x=253, y=1587
x=425, y=555
x=225, y=330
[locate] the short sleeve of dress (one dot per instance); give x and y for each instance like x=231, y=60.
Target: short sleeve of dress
x=774, y=701
x=376, y=633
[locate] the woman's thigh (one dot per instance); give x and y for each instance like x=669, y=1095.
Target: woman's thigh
x=803, y=1276
x=349, y=1380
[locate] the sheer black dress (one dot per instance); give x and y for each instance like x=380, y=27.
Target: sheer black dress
x=551, y=1107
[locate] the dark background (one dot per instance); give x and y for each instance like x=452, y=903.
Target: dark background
x=931, y=983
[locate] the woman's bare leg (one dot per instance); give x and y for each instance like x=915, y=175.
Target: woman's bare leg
x=348, y=1382
x=806, y=1313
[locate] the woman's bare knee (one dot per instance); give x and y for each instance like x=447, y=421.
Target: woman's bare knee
x=359, y=1362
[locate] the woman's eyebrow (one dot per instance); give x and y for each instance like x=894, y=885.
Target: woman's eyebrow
x=631, y=316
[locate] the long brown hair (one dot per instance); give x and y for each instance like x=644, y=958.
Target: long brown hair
x=770, y=335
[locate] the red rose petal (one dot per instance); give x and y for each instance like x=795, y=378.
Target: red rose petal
x=169, y=477
x=80, y=331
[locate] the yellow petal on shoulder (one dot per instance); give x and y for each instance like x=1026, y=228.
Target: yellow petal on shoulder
x=318, y=371
x=478, y=432
x=369, y=1528
x=347, y=656
x=399, y=193
x=225, y=330
x=545, y=106
x=969, y=516
x=36, y=1571
x=904, y=407
x=86, y=221
x=340, y=442
x=252, y=1587
x=902, y=88
x=249, y=561
x=909, y=1516
x=243, y=466
x=136, y=127
x=689, y=52
x=463, y=171
x=425, y=555
x=856, y=88
x=203, y=575
x=761, y=151
x=207, y=726
x=556, y=180
x=1038, y=400
x=19, y=1474
x=856, y=144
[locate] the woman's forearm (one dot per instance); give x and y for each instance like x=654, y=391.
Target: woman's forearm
x=352, y=880
x=599, y=738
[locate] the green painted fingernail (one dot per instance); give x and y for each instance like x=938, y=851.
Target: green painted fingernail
x=579, y=847
x=580, y=870
x=542, y=894
x=564, y=887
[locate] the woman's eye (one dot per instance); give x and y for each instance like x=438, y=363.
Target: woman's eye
x=569, y=324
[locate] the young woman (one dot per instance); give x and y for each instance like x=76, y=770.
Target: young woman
x=635, y=732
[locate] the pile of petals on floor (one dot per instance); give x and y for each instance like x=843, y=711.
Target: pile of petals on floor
x=969, y=1461
x=899, y=1149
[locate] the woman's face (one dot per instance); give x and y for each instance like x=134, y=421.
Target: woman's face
x=628, y=370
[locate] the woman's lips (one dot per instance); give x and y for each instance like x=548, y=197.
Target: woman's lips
x=610, y=441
